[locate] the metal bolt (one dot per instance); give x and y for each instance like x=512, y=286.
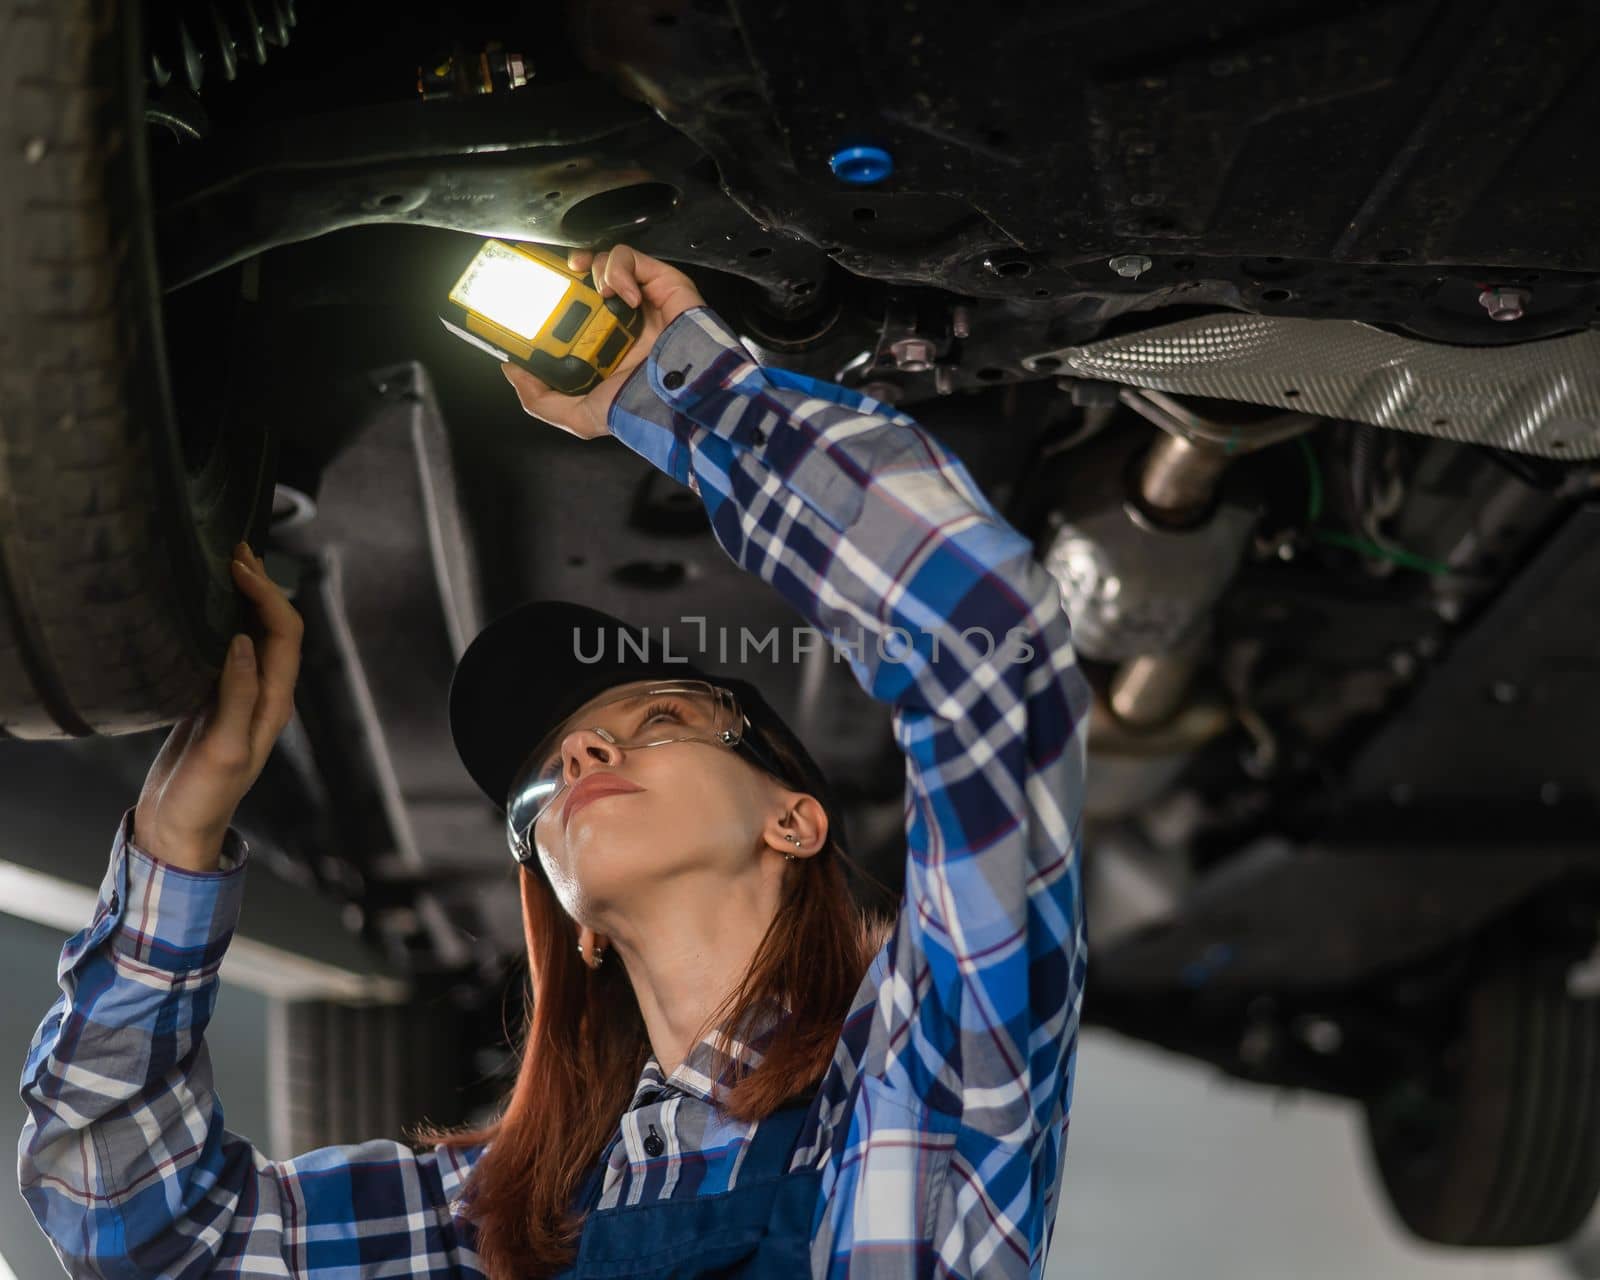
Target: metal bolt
x=1130, y=266
x=1504, y=304
x=1258, y=762
x=961, y=322
x=400, y=921
x=914, y=355
x=943, y=379
x=1583, y=979
x=34, y=150
x=1259, y=1044
x=1504, y=692
x=1322, y=1035
x=1007, y=264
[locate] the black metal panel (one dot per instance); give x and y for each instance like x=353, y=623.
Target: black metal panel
x=1481, y=791
x=1259, y=154
x=1382, y=131
x=1282, y=919
x=1377, y=161
x=1504, y=726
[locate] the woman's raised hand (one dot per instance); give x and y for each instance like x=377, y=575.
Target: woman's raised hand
x=663, y=292
x=215, y=754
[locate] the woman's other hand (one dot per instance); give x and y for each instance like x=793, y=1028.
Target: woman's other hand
x=664, y=293
x=215, y=754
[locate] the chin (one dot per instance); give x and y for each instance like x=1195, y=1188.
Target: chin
x=602, y=852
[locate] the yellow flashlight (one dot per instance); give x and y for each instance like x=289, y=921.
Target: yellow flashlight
x=522, y=303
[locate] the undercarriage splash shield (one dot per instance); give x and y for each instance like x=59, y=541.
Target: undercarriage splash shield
x=1538, y=397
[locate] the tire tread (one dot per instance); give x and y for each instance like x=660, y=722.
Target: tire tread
x=90, y=632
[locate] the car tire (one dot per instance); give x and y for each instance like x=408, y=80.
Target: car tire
x=116, y=602
x=1501, y=1146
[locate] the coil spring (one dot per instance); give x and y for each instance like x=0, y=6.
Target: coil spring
x=194, y=35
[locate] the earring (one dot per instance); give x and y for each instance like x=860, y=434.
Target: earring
x=599, y=956
x=794, y=840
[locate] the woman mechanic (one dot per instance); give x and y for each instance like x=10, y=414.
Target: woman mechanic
x=724, y=1072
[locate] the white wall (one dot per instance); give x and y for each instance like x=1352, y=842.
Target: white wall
x=1177, y=1172
x=237, y=1039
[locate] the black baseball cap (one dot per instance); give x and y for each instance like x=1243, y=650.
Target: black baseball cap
x=522, y=675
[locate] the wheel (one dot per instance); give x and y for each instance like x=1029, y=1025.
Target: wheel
x=1501, y=1146
x=116, y=529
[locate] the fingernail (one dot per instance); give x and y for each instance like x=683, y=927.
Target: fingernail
x=244, y=566
x=239, y=650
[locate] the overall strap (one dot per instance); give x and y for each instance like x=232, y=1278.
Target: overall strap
x=589, y=1194
x=768, y=1155
x=775, y=1140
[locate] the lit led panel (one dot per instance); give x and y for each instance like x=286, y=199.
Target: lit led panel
x=510, y=289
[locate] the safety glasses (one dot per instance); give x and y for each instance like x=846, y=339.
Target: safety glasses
x=672, y=711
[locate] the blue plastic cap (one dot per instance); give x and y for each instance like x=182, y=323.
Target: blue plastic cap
x=862, y=165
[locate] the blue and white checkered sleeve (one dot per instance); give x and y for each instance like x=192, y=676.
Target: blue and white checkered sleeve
x=124, y=1158
x=881, y=538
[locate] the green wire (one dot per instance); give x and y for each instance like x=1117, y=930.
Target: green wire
x=1405, y=559
x=1348, y=541
x=1314, y=502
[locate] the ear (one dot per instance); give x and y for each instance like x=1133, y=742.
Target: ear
x=801, y=816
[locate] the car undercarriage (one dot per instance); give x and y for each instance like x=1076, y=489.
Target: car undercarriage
x=1276, y=327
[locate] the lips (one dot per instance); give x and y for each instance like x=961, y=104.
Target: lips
x=590, y=788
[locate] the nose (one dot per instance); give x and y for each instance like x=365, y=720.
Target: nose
x=584, y=749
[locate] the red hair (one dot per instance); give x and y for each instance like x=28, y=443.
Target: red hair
x=585, y=1045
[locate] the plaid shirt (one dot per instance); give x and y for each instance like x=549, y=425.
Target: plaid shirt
x=942, y=1123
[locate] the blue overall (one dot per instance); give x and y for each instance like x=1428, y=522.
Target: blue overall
x=758, y=1230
